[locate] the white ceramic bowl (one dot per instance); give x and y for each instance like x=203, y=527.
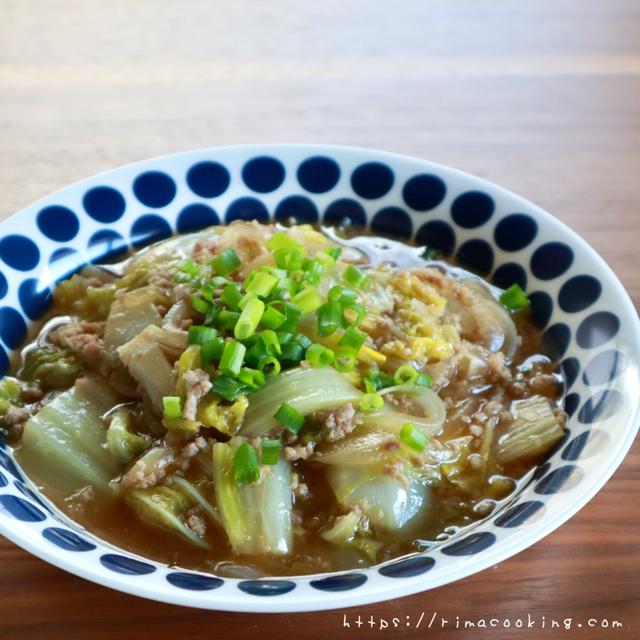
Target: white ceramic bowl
x=587, y=316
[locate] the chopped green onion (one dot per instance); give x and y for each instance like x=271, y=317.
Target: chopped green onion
x=379, y=380
x=207, y=290
x=232, y=357
x=289, y=417
x=211, y=315
x=271, y=343
x=292, y=315
x=227, y=319
x=255, y=354
x=200, y=305
x=283, y=241
x=251, y=377
x=304, y=341
x=199, y=334
x=354, y=276
x=324, y=258
x=335, y=252
x=270, y=451
x=270, y=366
x=328, y=318
x=231, y=296
x=423, y=380
x=308, y=299
x=348, y=297
x=272, y=318
x=226, y=262
x=249, y=319
x=369, y=386
x=371, y=402
x=319, y=356
x=345, y=362
x=289, y=260
x=262, y=284
x=190, y=268
x=406, y=374
x=514, y=298
x=353, y=314
x=352, y=340
x=211, y=350
x=228, y=388
x=245, y=464
x=172, y=407
x=413, y=437
x=292, y=353
x=335, y=293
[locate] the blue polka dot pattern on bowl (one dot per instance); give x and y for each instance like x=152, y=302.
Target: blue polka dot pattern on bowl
x=551, y=260
x=597, y=329
x=4, y=286
x=345, y=211
x=318, y=174
x=263, y=174
x=570, y=369
x=509, y=274
x=35, y=298
x=515, y=232
x=424, y=192
x=208, y=179
x=13, y=328
x=148, y=229
x=195, y=217
x=194, y=581
x=601, y=406
x=579, y=293
x=154, y=189
x=67, y=540
x=266, y=587
x=105, y=245
x=128, y=566
x=556, y=339
x=560, y=479
x=393, y=222
x=476, y=255
x=297, y=208
x=605, y=367
x=472, y=209
x=19, y=252
x=471, y=544
x=247, y=209
x=408, y=567
x=372, y=180
x=344, y=582
x=104, y=204
x=438, y=235
x=58, y=223
x=21, y=509
x=541, y=308
x=519, y=514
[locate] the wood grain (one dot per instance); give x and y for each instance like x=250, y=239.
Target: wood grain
x=540, y=96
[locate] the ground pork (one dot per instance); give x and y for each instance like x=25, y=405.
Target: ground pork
x=189, y=451
x=14, y=420
x=195, y=521
x=83, y=338
x=143, y=475
x=32, y=393
x=300, y=489
x=197, y=385
x=300, y=452
x=340, y=422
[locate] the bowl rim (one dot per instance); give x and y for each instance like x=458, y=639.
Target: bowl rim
x=306, y=601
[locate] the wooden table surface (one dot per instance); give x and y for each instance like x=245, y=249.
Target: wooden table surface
x=541, y=96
